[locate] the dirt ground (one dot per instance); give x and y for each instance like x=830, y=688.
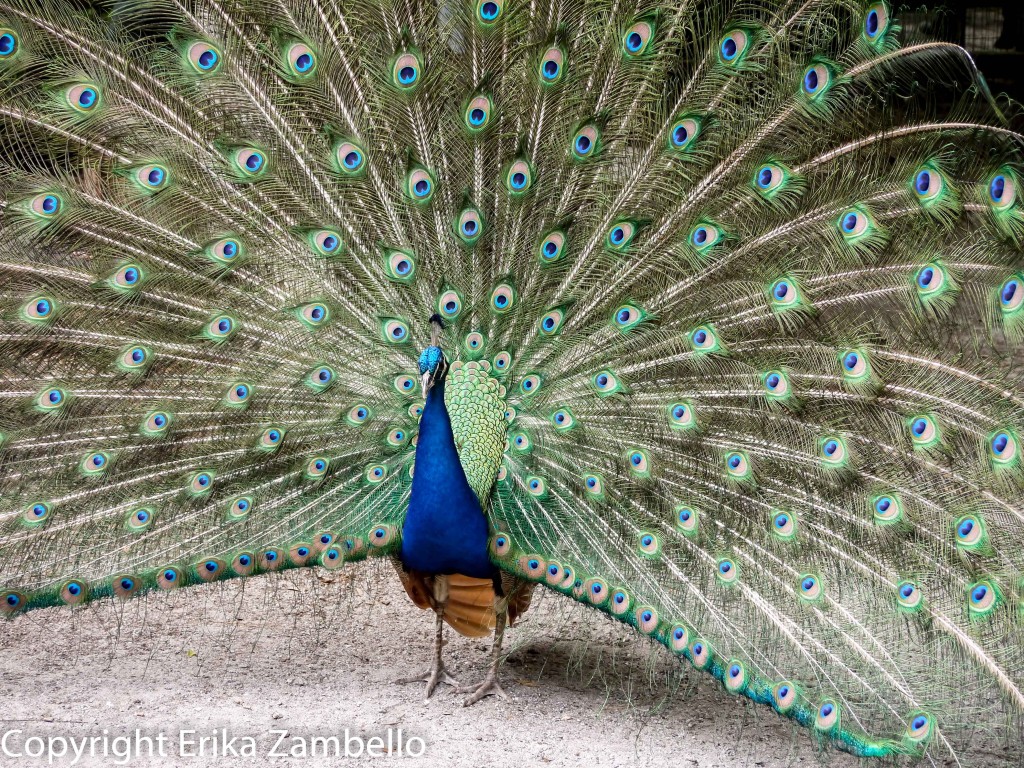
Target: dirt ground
x=312, y=654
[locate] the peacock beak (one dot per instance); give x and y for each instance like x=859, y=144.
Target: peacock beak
x=427, y=381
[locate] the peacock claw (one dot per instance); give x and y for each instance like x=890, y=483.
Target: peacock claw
x=433, y=676
x=489, y=686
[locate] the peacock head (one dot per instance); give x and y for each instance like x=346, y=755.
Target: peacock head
x=433, y=367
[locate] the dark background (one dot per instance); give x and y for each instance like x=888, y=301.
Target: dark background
x=993, y=32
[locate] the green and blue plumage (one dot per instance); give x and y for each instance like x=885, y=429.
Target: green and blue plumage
x=731, y=314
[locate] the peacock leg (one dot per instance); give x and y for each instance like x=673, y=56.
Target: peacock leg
x=437, y=672
x=490, y=684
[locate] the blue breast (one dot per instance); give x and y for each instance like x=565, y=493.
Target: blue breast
x=445, y=530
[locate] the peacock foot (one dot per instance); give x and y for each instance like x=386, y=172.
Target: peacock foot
x=436, y=674
x=489, y=686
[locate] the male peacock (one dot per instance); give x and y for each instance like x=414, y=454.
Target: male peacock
x=726, y=313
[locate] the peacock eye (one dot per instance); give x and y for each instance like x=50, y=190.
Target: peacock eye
x=705, y=236
x=733, y=47
x=816, y=80
x=38, y=308
x=930, y=279
x=502, y=362
x=530, y=384
x=827, y=717
x=626, y=317
x=585, y=142
x=204, y=57
x=156, y=423
x=638, y=462
x=395, y=331
x=536, y=486
x=474, y=342
x=518, y=177
x=681, y=415
x=908, y=594
x=809, y=587
x=449, y=304
x=1011, y=294
x=855, y=364
x=419, y=185
x=238, y=394
x=768, y=179
x=737, y=465
x=317, y=467
x=9, y=44
x=240, y=507
x=300, y=59
x=83, y=97
x=321, y=378
x=271, y=438
x=325, y=242
x=833, y=450
x=521, y=442
x=784, y=525
x=405, y=72
x=887, y=509
x=127, y=277
x=605, y=382
x=620, y=235
x=359, y=414
x=36, y=513
x=400, y=266
x=46, y=206
x=314, y=315
x=488, y=11
x=225, y=251
x=405, y=385
x=469, y=226
x=551, y=247
x=876, y=21
x=551, y=66
x=51, y=399
x=133, y=359
x=375, y=473
x=924, y=432
x=594, y=484
x=982, y=597
x=704, y=339
x=220, y=328
x=727, y=571
x=563, y=419
x=349, y=158
x=1002, y=447
x=854, y=224
x=201, y=483
x=928, y=184
x=250, y=162
x=919, y=727
x=503, y=298
x=1002, y=191
x=776, y=384
x=551, y=322
x=478, y=113
x=637, y=38
x=683, y=132
x=151, y=177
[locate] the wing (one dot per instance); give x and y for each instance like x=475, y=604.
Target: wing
x=207, y=264
x=773, y=422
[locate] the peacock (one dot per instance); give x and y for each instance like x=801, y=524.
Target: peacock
x=706, y=315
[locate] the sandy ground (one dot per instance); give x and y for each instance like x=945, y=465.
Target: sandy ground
x=313, y=654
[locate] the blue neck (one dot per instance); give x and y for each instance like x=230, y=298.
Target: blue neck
x=445, y=530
